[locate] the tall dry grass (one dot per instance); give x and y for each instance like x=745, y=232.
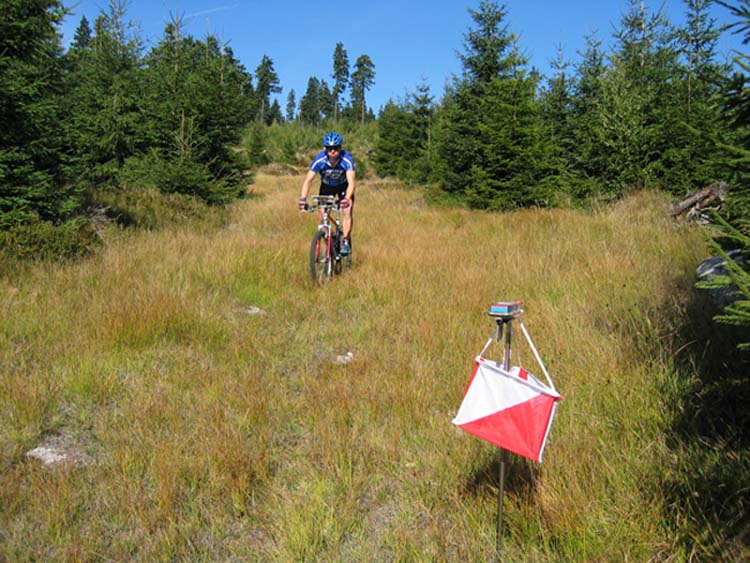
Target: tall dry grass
x=198, y=431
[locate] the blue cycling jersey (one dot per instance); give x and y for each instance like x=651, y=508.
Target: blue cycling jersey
x=332, y=175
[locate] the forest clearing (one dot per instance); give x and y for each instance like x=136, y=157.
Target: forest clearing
x=189, y=374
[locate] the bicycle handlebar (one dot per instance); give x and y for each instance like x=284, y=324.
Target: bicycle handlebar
x=324, y=199
x=323, y=202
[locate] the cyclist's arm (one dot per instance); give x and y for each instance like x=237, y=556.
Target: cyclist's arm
x=350, y=180
x=306, y=184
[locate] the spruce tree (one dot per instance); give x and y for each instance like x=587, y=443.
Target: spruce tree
x=639, y=103
x=195, y=102
x=326, y=101
x=103, y=100
x=403, y=138
x=457, y=144
x=486, y=44
x=487, y=133
x=733, y=227
x=421, y=106
x=692, y=161
x=558, y=149
x=309, y=106
x=274, y=113
x=82, y=38
x=32, y=183
x=393, y=142
x=590, y=156
x=735, y=105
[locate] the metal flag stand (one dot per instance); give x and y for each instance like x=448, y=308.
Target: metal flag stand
x=496, y=396
x=504, y=314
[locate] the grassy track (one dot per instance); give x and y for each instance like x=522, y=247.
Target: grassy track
x=203, y=432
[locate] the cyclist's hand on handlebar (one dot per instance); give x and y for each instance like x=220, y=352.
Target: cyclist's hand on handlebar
x=302, y=204
x=346, y=202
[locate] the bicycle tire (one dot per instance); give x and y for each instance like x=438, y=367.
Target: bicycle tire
x=337, y=257
x=321, y=267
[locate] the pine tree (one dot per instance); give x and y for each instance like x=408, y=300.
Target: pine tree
x=363, y=78
x=267, y=84
x=291, y=106
x=340, y=77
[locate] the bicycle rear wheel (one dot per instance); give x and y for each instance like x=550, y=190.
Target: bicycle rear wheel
x=336, y=251
x=321, y=267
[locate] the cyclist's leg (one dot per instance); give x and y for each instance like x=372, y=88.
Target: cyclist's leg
x=348, y=220
x=347, y=215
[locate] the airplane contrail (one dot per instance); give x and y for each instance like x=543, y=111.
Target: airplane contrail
x=211, y=11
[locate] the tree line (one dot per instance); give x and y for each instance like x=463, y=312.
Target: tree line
x=656, y=111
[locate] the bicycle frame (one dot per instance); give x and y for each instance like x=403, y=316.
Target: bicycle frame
x=325, y=261
x=329, y=216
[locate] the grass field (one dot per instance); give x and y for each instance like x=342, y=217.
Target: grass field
x=198, y=430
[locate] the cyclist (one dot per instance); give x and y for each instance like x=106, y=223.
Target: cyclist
x=337, y=178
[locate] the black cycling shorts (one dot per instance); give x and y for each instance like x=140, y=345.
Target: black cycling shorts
x=338, y=191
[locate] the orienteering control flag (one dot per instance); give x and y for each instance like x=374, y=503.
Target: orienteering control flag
x=511, y=409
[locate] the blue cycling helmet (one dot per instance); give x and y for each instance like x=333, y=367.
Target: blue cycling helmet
x=332, y=139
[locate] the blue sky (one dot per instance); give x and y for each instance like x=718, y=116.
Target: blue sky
x=409, y=41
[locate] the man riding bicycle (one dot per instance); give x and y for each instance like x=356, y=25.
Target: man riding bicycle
x=337, y=178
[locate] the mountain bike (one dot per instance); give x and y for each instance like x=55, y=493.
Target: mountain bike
x=325, y=251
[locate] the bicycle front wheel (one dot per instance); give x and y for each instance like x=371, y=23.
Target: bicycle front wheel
x=321, y=267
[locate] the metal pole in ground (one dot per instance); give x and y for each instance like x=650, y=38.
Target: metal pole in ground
x=500, y=495
x=505, y=323
x=503, y=312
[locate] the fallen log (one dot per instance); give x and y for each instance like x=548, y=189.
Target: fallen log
x=710, y=196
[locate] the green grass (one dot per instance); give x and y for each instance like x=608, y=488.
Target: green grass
x=213, y=434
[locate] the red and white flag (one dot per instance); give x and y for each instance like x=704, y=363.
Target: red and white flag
x=511, y=409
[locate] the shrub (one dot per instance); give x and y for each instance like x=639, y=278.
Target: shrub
x=180, y=176
x=42, y=240
x=147, y=208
